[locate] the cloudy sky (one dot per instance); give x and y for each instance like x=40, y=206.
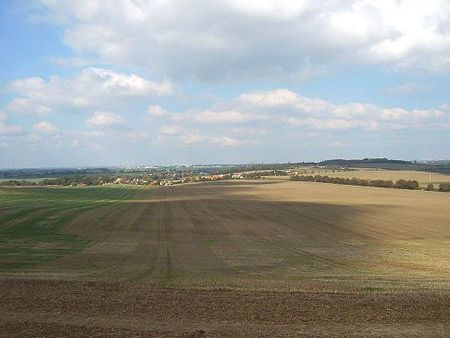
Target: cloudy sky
x=204, y=81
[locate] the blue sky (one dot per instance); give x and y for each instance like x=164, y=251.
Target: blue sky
x=179, y=82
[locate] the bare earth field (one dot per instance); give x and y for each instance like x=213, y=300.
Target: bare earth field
x=262, y=258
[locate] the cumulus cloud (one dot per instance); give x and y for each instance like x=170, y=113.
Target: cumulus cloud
x=285, y=107
x=212, y=39
x=110, y=131
x=106, y=119
x=157, y=112
x=91, y=88
x=331, y=124
x=321, y=114
x=208, y=116
x=87, y=133
x=183, y=135
x=170, y=129
x=88, y=145
x=406, y=88
x=221, y=117
x=8, y=129
x=45, y=127
x=445, y=106
x=196, y=139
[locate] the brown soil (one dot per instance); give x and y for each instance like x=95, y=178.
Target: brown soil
x=57, y=308
x=240, y=259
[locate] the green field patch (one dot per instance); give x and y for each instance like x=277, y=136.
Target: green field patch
x=33, y=233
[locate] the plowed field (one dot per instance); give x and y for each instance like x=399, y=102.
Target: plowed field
x=261, y=258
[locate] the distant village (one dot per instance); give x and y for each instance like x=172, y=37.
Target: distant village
x=166, y=178
x=201, y=177
x=173, y=180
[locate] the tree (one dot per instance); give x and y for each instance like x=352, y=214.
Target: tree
x=404, y=184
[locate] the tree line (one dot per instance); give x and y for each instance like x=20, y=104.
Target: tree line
x=445, y=187
x=400, y=184
x=66, y=181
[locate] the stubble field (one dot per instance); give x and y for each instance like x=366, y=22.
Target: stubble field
x=224, y=259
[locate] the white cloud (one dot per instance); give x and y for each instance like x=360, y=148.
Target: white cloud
x=399, y=114
x=71, y=61
x=320, y=114
x=45, y=127
x=28, y=86
x=9, y=129
x=274, y=98
x=135, y=135
x=170, y=129
x=180, y=135
x=157, y=112
x=87, y=133
x=226, y=141
x=212, y=39
x=34, y=138
x=266, y=109
x=338, y=144
x=105, y=119
x=271, y=8
x=220, y=117
x=91, y=88
x=406, y=88
x=332, y=124
x=208, y=116
x=193, y=139
x=88, y=145
x=445, y=106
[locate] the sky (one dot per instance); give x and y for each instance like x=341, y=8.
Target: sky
x=160, y=82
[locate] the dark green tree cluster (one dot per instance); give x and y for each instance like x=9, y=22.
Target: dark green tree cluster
x=75, y=180
x=400, y=184
x=252, y=176
x=17, y=183
x=407, y=184
x=444, y=187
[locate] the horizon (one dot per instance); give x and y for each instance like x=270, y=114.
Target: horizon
x=89, y=84
x=121, y=166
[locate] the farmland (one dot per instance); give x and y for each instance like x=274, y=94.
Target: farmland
x=377, y=174
x=224, y=254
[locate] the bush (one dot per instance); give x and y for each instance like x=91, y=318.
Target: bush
x=382, y=183
x=302, y=178
x=15, y=183
x=404, y=184
x=430, y=187
x=326, y=179
x=317, y=178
